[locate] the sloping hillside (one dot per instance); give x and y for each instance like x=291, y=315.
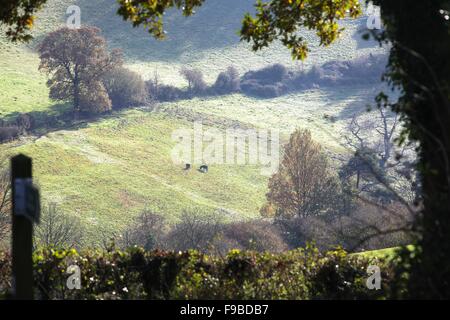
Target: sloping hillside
x=106, y=171
x=208, y=40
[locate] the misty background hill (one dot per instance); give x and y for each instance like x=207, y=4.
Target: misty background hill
x=207, y=40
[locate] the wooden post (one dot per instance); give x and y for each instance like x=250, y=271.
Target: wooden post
x=22, y=231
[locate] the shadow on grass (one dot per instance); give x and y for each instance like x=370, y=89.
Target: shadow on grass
x=60, y=117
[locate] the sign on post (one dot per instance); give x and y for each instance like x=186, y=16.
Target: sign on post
x=25, y=212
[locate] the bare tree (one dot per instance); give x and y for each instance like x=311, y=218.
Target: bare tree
x=377, y=162
x=148, y=231
x=367, y=227
x=156, y=83
x=378, y=133
x=373, y=226
x=153, y=86
x=57, y=229
x=381, y=177
x=196, y=230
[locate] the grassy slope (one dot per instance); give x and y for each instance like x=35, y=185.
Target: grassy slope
x=286, y=113
x=22, y=87
x=107, y=171
x=387, y=253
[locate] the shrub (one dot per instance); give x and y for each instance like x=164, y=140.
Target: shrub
x=25, y=121
x=164, y=92
x=254, y=88
x=371, y=227
x=365, y=69
x=227, y=82
x=298, y=231
x=51, y=121
x=148, y=231
x=194, y=77
x=268, y=210
x=256, y=235
x=95, y=99
x=125, y=88
x=367, y=227
x=265, y=83
x=343, y=277
x=269, y=75
x=196, y=230
x=208, y=232
x=9, y=133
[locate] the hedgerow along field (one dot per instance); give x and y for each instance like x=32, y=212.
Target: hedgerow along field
x=107, y=171
x=139, y=274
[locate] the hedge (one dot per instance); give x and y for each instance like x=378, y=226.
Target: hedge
x=139, y=274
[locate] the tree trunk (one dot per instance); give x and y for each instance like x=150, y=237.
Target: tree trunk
x=76, y=97
x=435, y=226
x=358, y=175
x=420, y=64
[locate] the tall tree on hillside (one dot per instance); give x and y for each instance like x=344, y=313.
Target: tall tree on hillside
x=76, y=60
x=303, y=186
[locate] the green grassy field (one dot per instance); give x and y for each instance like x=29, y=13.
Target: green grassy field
x=107, y=171
x=22, y=86
x=387, y=253
x=305, y=110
